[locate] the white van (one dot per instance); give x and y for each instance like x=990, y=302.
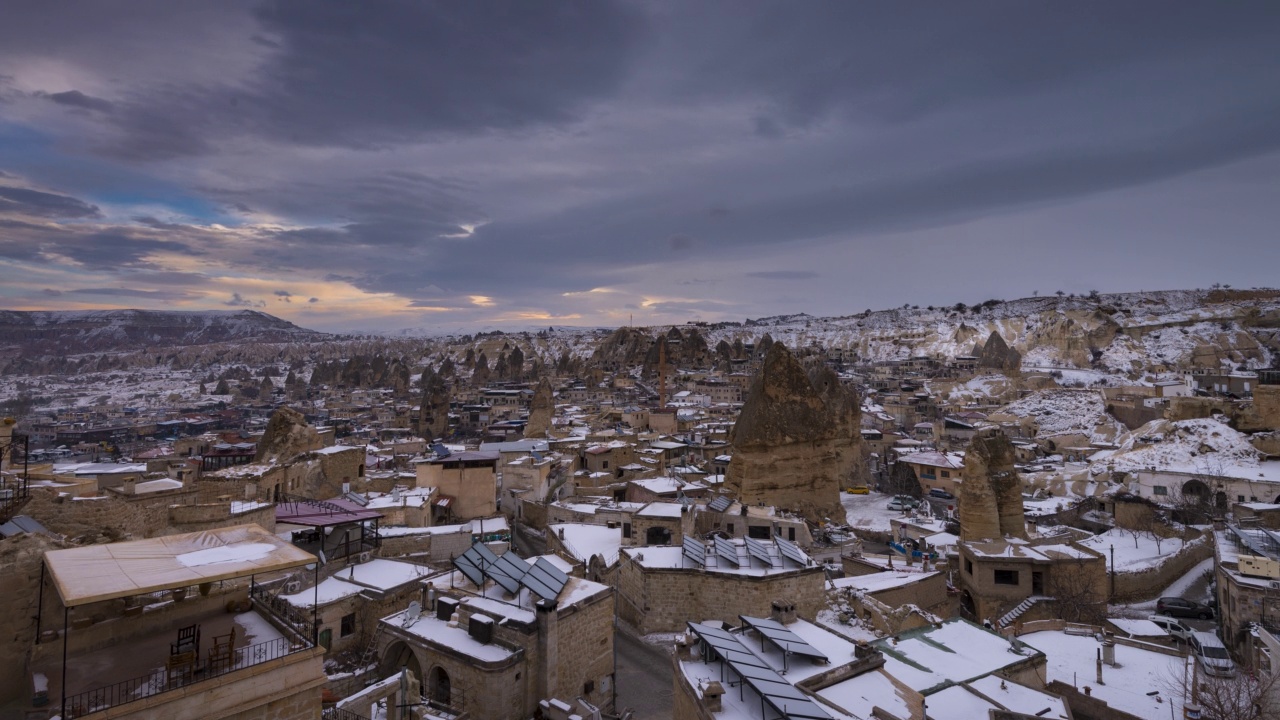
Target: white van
x=1212, y=655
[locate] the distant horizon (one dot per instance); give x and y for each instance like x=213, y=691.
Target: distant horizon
x=407, y=331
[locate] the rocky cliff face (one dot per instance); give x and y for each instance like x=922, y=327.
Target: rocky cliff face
x=287, y=435
x=796, y=440
x=991, y=494
x=433, y=410
x=541, y=409
x=997, y=355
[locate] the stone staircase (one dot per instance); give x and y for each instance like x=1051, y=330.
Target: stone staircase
x=1012, y=616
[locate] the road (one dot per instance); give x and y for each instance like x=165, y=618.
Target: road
x=644, y=678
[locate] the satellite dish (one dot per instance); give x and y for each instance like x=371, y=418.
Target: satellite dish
x=412, y=614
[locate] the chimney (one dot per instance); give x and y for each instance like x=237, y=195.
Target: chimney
x=130, y=486
x=783, y=612
x=711, y=697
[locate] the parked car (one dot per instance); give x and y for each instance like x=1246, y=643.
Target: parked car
x=1181, y=607
x=942, y=494
x=1177, y=629
x=903, y=502
x=1212, y=655
x=857, y=490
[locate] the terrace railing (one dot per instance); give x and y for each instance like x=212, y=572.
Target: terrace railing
x=163, y=681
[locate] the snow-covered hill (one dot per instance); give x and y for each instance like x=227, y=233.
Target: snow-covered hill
x=75, y=332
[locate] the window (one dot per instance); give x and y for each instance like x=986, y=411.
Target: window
x=348, y=625
x=759, y=532
x=604, y=465
x=968, y=566
x=946, y=473
x=326, y=639
x=729, y=527
x=791, y=534
x=626, y=530
x=1239, y=498
x=1160, y=490
x=588, y=687
x=1006, y=577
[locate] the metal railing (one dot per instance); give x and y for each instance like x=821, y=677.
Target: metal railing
x=14, y=490
x=282, y=610
x=162, y=681
x=333, y=713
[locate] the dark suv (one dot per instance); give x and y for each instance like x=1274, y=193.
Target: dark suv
x=1179, y=607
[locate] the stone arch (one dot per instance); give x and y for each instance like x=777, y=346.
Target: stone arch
x=439, y=686
x=399, y=654
x=657, y=536
x=1196, y=491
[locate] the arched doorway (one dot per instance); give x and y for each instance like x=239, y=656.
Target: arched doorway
x=399, y=655
x=1195, y=491
x=439, y=688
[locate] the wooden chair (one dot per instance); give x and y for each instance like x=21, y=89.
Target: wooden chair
x=222, y=653
x=189, y=639
x=180, y=666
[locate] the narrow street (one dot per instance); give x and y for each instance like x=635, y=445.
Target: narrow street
x=644, y=678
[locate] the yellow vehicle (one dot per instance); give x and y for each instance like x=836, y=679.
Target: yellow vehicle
x=858, y=490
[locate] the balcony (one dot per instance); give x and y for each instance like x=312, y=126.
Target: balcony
x=170, y=626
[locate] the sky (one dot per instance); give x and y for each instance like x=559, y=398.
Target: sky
x=377, y=166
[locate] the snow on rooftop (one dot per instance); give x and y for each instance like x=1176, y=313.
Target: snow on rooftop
x=440, y=633
x=662, y=509
x=583, y=540
x=1072, y=658
x=244, y=552
x=877, y=582
x=955, y=652
x=1017, y=698
x=1133, y=554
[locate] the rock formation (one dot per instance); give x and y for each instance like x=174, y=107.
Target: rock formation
x=433, y=410
x=997, y=355
x=541, y=408
x=991, y=494
x=287, y=436
x=796, y=440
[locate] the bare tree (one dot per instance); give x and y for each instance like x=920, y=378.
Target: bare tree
x=1079, y=589
x=1247, y=696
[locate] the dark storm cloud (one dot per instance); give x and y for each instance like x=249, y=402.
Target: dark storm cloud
x=24, y=201
x=132, y=293
x=77, y=99
x=396, y=70
x=783, y=275
x=521, y=150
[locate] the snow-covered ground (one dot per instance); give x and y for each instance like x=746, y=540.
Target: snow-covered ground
x=869, y=512
x=1132, y=553
x=1143, y=683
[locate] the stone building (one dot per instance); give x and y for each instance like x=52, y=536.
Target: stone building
x=467, y=481
x=996, y=577
x=495, y=654
x=659, y=588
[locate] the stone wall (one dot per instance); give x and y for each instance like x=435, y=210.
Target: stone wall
x=111, y=517
x=21, y=557
x=662, y=599
x=207, y=516
x=584, y=653
x=1147, y=584
x=283, y=689
x=1085, y=706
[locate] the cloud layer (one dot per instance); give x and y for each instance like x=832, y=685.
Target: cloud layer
x=398, y=164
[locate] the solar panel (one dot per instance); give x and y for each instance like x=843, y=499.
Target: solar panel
x=792, y=552
x=720, y=504
x=507, y=571
x=783, y=638
x=469, y=564
x=695, y=550
x=727, y=551
x=774, y=689
x=759, y=551
x=545, y=579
